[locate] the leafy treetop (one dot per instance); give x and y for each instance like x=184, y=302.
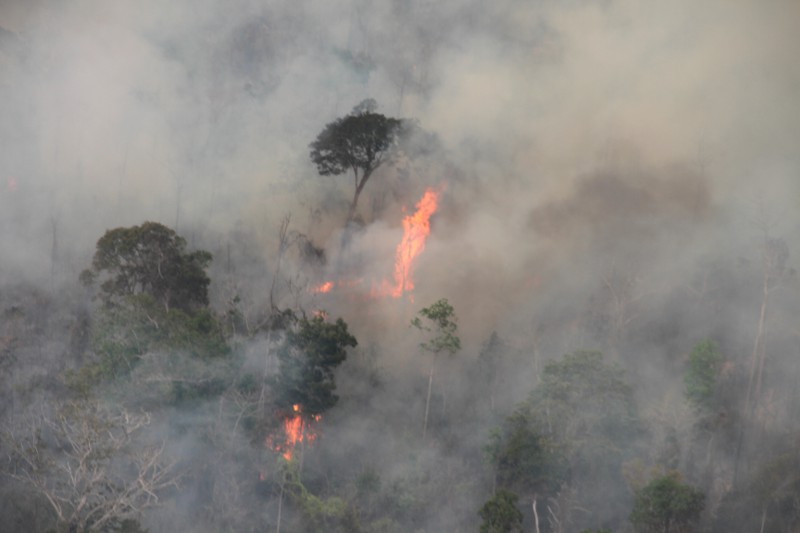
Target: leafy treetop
x=310, y=353
x=442, y=322
x=359, y=142
x=585, y=399
x=500, y=514
x=666, y=505
x=150, y=259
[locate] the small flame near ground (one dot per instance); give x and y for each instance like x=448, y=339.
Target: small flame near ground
x=416, y=228
x=297, y=430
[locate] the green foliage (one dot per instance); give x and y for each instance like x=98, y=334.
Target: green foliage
x=441, y=322
x=138, y=325
x=308, y=356
x=666, y=505
x=523, y=458
x=500, y=514
x=150, y=259
x=769, y=500
x=358, y=141
x=585, y=403
x=573, y=432
x=319, y=514
x=701, y=375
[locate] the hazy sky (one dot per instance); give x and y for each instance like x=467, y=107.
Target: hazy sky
x=562, y=124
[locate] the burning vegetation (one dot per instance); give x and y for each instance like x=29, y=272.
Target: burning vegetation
x=416, y=229
x=298, y=431
x=598, y=333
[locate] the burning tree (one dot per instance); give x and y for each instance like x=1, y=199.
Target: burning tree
x=360, y=142
x=305, y=384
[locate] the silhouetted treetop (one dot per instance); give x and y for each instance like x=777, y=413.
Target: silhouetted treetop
x=359, y=141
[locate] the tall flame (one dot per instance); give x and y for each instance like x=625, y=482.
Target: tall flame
x=416, y=229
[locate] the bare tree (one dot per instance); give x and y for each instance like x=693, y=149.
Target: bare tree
x=774, y=270
x=86, y=462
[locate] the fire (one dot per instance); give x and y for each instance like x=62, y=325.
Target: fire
x=416, y=229
x=324, y=288
x=297, y=430
x=328, y=286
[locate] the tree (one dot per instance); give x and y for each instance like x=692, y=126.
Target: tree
x=141, y=330
x=775, y=269
x=309, y=354
x=489, y=364
x=769, y=500
x=666, y=505
x=585, y=403
x=360, y=142
x=572, y=433
x=86, y=462
x=500, y=514
x=700, y=378
x=441, y=323
x=524, y=459
x=150, y=259
x=156, y=303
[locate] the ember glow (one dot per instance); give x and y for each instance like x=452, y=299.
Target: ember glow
x=297, y=430
x=324, y=288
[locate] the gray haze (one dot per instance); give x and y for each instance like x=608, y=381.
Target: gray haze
x=580, y=142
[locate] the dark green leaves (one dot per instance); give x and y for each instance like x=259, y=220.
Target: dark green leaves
x=357, y=141
x=308, y=357
x=150, y=259
x=500, y=514
x=700, y=379
x=666, y=505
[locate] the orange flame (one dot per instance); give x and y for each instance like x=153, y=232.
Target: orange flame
x=297, y=430
x=416, y=229
x=325, y=287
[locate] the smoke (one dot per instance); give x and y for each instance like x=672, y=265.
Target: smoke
x=593, y=153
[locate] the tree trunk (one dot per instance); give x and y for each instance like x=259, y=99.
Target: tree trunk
x=359, y=187
x=756, y=367
x=280, y=503
x=428, y=401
